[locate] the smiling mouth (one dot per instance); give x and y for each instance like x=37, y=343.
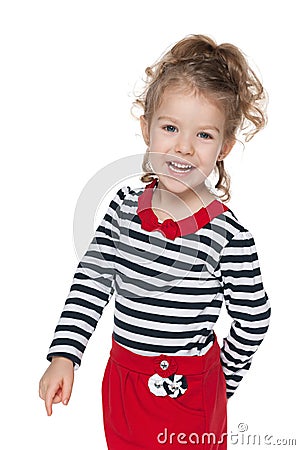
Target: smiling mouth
x=180, y=168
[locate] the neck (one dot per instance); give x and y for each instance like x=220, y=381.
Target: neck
x=167, y=204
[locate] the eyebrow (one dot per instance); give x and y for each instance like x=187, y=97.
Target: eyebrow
x=203, y=127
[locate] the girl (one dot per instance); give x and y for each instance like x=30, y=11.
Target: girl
x=172, y=252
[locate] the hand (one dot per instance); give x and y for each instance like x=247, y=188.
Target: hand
x=56, y=384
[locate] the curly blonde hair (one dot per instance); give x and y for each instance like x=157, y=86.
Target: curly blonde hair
x=219, y=72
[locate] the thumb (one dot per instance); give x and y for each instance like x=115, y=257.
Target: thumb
x=66, y=391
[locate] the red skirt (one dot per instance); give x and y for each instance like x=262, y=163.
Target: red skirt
x=164, y=402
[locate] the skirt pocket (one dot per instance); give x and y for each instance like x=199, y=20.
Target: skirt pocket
x=191, y=402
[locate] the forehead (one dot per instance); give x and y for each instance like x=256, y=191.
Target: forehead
x=190, y=105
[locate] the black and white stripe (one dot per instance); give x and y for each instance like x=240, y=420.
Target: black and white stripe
x=168, y=294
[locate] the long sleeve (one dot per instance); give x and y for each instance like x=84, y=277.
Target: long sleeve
x=91, y=289
x=247, y=303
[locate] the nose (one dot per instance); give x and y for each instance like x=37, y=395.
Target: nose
x=184, y=145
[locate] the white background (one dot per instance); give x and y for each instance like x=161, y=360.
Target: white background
x=68, y=70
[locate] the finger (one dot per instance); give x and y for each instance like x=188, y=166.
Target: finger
x=66, y=391
x=41, y=390
x=41, y=394
x=48, y=401
x=56, y=399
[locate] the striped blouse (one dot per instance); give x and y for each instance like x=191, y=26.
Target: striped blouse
x=170, y=280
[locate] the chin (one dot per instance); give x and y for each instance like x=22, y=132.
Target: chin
x=179, y=186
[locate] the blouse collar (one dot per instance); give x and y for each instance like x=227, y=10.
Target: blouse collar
x=170, y=228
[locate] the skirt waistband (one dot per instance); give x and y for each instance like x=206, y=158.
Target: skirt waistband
x=165, y=365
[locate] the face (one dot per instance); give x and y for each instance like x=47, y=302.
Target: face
x=186, y=129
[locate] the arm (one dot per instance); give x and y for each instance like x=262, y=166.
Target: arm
x=91, y=290
x=247, y=303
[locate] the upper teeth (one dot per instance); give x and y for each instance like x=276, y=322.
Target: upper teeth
x=181, y=166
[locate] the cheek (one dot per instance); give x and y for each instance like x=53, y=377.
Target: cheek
x=157, y=151
x=207, y=161
x=208, y=154
x=158, y=142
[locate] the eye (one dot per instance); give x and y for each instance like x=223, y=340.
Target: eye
x=170, y=128
x=204, y=135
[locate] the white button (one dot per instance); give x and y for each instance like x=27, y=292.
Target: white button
x=164, y=365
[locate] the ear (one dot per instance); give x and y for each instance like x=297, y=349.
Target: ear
x=145, y=129
x=226, y=149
